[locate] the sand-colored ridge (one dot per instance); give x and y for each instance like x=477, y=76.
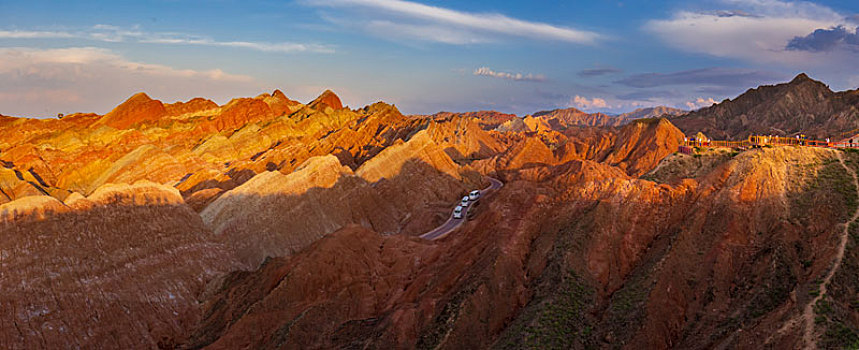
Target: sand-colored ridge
x=420, y=147
x=35, y=207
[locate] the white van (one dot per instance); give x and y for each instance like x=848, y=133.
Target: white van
x=457, y=212
x=474, y=195
x=464, y=202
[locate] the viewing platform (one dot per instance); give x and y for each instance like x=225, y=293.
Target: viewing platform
x=755, y=141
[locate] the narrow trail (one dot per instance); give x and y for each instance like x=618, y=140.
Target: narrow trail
x=808, y=315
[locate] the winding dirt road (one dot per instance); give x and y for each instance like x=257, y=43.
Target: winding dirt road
x=452, y=223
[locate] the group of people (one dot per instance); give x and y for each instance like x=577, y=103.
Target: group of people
x=800, y=140
x=700, y=142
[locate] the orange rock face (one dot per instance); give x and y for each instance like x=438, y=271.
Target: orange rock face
x=643, y=144
x=242, y=111
x=280, y=104
x=137, y=109
x=195, y=105
x=327, y=100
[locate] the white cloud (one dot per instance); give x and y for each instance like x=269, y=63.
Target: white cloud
x=43, y=63
x=39, y=82
x=700, y=103
x=585, y=103
x=758, y=32
x=436, y=33
x=472, y=25
x=110, y=33
x=33, y=34
x=488, y=72
x=259, y=46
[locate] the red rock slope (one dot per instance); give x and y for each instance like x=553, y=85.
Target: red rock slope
x=122, y=268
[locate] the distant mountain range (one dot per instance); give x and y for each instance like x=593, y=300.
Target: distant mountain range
x=651, y=112
x=567, y=117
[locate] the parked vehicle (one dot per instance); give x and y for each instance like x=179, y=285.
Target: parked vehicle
x=464, y=202
x=474, y=195
x=457, y=212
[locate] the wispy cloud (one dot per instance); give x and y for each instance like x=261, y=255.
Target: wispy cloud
x=77, y=79
x=259, y=46
x=472, y=25
x=595, y=72
x=44, y=63
x=110, y=33
x=488, y=72
x=431, y=32
x=33, y=34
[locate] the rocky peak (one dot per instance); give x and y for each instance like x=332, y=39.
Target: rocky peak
x=801, y=77
x=327, y=99
x=803, y=81
x=279, y=94
x=643, y=143
x=280, y=97
x=279, y=103
x=381, y=107
x=138, y=108
x=140, y=96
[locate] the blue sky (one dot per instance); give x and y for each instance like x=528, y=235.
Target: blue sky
x=423, y=56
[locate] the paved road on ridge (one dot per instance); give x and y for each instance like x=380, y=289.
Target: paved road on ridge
x=451, y=223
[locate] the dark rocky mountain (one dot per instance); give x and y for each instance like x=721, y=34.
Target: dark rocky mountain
x=803, y=106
